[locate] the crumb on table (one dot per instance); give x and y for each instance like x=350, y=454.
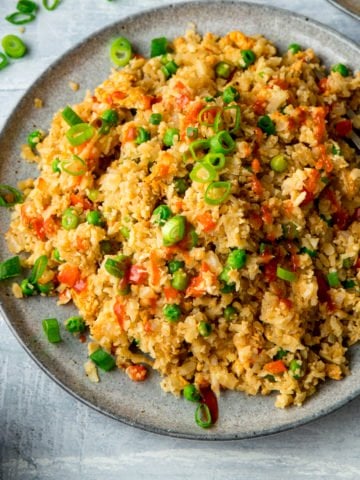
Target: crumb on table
x=38, y=103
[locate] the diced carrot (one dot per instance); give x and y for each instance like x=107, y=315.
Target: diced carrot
x=195, y=288
x=171, y=293
x=130, y=134
x=323, y=84
x=119, y=310
x=259, y=134
x=255, y=165
x=283, y=84
x=256, y=185
x=312, y=182
x=266, y=215
x=147, y=101
x=319, y=123
x=117, y=95
x=41, y=184
x=50, y=226
x=207, y=222
x=154, y=266
x=259, y=106
x=137, y=373
x=37, y=224
x=276, y=367
x=69, y=275
x=163, y=169
x=193, y=111
x=78, y=199
x=325, y=161
x=148, y=326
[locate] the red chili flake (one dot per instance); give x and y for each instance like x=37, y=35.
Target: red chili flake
x=266, y=215
x=138, y=275
x=270, y=270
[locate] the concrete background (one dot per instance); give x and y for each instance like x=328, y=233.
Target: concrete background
x=46, y=434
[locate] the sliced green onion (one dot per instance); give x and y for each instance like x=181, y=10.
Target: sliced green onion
x=295, y=368
x=230, y=94
x=56, y=255
x=180, y=185
x=10, y=268
x=267, y=125
x=175, y=265
x=281, y=353
x=230, y=313
x=311, y=253
x=204, y=328
x=161, y=214
x=248, y=57
x=294, y=48
x=158, y=46
x=191, y=393
x=348, y=262
x=38, y=268
x=52, y=330
x=202, y=117
x=222, y=142
x=173, y=230
x=19, y=18
x=120, y=51
x=117, y=267
x=10, y=196
x=103, y=359
x=125, y=232
x=180, y=280
x=27, y=288
x=192, y=132
x=279, y=163
x=13, y=46
x=34, y=138
x=348, y=284
x=217, y=192
x=286, y=275
x=169, y=69
x=93, y=194
x=79, y=134
x=55, y=166
x=172, y=312
x=45, y=288
x=237, y=121
x=193, y=239
x=50, y=6
x=198, y=145
x=75, y=167
x=237, y=258
x=333, y=279
x=155, y=118
x=290, y=230
x=216, y=160
x=142, y=135
x=202, y=173
x=342, y=69
x=75, y=325
x=170, y=135
x=3, y=61
x=203, y=416
x=71, y=117
x=70, y=219
x=26, y=6
x=223, y=70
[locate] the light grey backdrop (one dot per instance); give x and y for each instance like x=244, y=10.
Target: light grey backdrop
x=46, y=434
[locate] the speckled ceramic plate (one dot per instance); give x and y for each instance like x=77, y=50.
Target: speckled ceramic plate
x=349, y=6
x=145, y=405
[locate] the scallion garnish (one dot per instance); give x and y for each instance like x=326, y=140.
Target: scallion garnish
x=120, y=51
x=286, y=275
x=10, y=196
x=10, y=268
x=19, y=18
x=79, y=134
x=236, y=126
x=222, y=142
x=26, y=6
x=13, y=46
x=75, y=167
x=75, y=325
x=203, y=416
x=158, y=46
x=333, y=279
x=52, y=330
x=71, y=117
x=50, y=5
x=173, y=230
x=3, y=61
x=217, y=193
x=202, y=173
x=103, y=360
x=38, y=269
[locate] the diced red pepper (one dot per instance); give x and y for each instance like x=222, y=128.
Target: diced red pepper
x=119, y=310
x=208, y=397
x=138, y=275
x=343, y=128
x=276, y=367
x=69, y=275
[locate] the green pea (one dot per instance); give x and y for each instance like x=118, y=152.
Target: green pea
x=204, y=328
x=279, y=163
x=175, y=265
x=34, y=138
x=172, y=312
x=294, y=48
x=236, y=258
x=230, y=94
x=70, y=219
x=180, y=280
x=230, y=313
x=170, y=135
x=342, y=69
x=223, y=70
x=94, y=218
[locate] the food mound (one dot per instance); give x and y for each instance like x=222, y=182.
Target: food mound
x=201, y=209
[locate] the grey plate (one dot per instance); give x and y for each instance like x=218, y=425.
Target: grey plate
x=145, y=405
x=349, y=6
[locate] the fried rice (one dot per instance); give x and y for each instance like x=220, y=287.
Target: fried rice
x=293, y=298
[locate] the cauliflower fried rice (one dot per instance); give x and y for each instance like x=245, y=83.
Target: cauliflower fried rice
x=249, y=284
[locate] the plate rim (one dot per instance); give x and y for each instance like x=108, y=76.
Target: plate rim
x=9, y=118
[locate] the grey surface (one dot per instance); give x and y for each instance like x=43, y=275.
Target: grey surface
x=44, y=433
x=352, y=7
